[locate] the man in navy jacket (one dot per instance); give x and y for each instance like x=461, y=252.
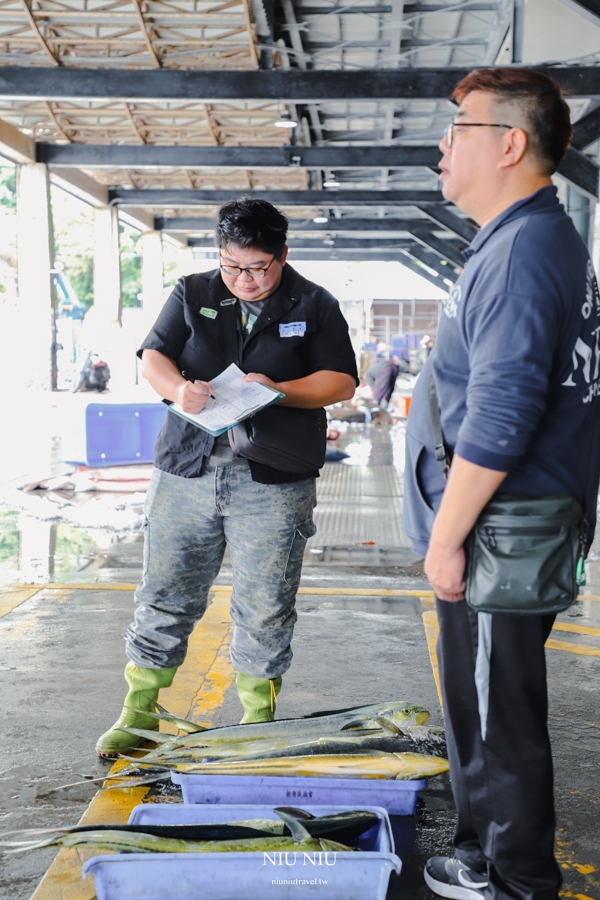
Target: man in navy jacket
x=516, y=365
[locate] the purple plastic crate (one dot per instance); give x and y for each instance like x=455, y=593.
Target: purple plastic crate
x=399, y=798
x=378, y=839
x=242, y=876
x=118, y=434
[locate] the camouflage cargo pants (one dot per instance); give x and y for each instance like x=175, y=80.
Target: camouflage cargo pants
x=188, y=523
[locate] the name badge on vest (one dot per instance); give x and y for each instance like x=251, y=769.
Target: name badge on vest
x=292, y=329
x=209, y=313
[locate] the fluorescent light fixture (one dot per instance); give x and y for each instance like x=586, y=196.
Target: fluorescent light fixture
x=331, y=182
x=285, y=121
x=320, y=219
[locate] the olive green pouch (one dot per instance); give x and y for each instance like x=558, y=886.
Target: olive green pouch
x=523, y=555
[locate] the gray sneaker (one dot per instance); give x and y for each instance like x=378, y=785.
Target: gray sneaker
x=449, y=877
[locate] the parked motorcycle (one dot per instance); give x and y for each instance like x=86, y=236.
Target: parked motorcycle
x=94, y=375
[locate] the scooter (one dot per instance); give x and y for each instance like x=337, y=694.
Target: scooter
x=94, y=375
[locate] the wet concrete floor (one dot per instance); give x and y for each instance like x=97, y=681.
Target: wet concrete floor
x=63, y=657
x=63, y=660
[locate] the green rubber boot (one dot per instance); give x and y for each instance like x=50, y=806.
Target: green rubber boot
x=144, y=685
x=258, y=697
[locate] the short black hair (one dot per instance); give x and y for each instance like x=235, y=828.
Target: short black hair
x=249, y=223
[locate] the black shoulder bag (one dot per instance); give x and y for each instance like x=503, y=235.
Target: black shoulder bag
x=284, y=437
x=525, y=555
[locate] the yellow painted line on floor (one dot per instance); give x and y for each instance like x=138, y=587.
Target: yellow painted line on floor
x=565, y=855
x=14, y=628
x=208, y=645
x=432, y=630
x=90, y=586
x=63, y=879
x=576, y=629
x=568, y=647
x=342, y=592
x=13, y=597
x=207, y=663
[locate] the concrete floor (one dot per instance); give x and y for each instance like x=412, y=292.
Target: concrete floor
x=63, y=657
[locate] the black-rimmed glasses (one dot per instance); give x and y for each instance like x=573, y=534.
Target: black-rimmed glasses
x=453, y=125
x=253, y=273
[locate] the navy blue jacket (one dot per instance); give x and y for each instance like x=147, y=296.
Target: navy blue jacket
x=516, y=364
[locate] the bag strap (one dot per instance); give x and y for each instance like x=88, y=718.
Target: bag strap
x=229, y=313
x=442, y=452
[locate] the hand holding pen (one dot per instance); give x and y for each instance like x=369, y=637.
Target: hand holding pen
x=193, y=396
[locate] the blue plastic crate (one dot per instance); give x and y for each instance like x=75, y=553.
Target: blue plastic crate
x=118, y=434
x=399, y=798
x=378, y=839
x=241, y=876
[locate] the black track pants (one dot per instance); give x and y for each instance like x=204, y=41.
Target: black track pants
x=503, y=786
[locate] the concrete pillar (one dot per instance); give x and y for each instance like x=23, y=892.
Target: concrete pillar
x=35, y=350
x=37, y=547
x=152, y=275
x=107, y=266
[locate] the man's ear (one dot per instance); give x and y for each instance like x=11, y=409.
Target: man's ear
x=284, y=254
x=515, y=144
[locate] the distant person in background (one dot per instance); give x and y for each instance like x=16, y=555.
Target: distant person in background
x=381, y=378
x=289, y=334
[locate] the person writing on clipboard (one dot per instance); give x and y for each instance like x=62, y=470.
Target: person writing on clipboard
x=252, y=488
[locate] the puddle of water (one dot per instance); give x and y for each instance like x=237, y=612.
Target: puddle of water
x=39, y=551
x=64, y=536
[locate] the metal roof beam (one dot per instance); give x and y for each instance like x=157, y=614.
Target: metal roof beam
x=366, y=244
x=467, y=6
x=429, y=274
x=444, y=248
x=588, y=8
x=14, y=145
x=582, y=172
x=433, y=261
x=587, y=130
x=191, y=157
x=283, y=85
x=333, y=226
x=448, y=219
x=81, y=186
x=379, y=9
x=188, y=197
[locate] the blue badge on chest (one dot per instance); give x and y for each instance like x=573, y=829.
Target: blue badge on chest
x=292, y=329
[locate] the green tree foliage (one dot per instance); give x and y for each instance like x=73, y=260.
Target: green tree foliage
x=8, y=227
x=73, y=223
x=9, y=541
x=131, y=266
x=8, y=187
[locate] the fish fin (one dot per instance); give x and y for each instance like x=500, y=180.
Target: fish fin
x=298, y=831
x=387, y=725
x=148, y=735
x=335, y=846
x=331, y=712
x=106, y=777
x=149, y=779
x=360, y=723
x=294, y=811
x=182, y=724
x=165, y=712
